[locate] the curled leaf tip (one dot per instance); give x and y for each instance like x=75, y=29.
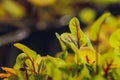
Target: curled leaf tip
x=21, y=47
x=56, y=34
x=17, y=44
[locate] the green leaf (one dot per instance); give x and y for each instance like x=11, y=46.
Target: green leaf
x=34, y=65
x=80, y=38
x=115, y=74
x=99, y=77
x=63, y=55
x=40, y=66
x=114, y=39
x=117, y=51
x=53, y=72
x=52, y=67
x=56, y=61
x=87, y=55
x=89, y=44
x=71, y=43
x=64, y=52
x=13, y=78
x=30, y=53
x=61, y=42
x=38, y=77
x=84, y=74
x=76, y=31
x=95, y=28
x=68, y=38
x=20, y=60
x=109, y=57
x=21, y=75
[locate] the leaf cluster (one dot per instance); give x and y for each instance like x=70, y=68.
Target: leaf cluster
x=81, y=58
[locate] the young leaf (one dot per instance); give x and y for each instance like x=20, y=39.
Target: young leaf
x=79, y=35
x=20, y=60
x=87, y=55
x=116, y=74
x=61, y=42
x=40, y=66
x=9, y=70
x=95, y=28
x=21, y=75
x=117, y=51
x=63, y=55
x=30, y=53
x=76, y=31
x=114, y=39
x=84, y=74
x=111, y=56
x=64, y=52
x=71, y=43
x=36, y=64
x=68, y=38
x=56, y=61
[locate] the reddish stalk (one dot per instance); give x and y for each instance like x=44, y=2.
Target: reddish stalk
x=78, y=38
x=77, y=34
x=71, y=39
x=107, y=68
x=33, y=65
x=87, y=59
x=26, y=73
x=97, y=46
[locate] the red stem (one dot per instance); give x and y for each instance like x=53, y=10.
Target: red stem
x=78, y=38
x=26, y=73
x=108, y=68
x=32, y=61
x=33, y=65
x=87, y=59
x=97, y=47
